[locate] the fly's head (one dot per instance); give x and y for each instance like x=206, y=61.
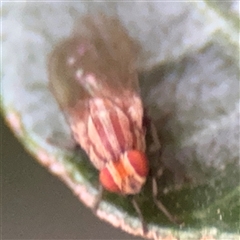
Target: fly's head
x=127, y=175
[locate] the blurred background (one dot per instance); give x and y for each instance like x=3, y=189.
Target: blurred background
x=194, y=45
x=36, y=205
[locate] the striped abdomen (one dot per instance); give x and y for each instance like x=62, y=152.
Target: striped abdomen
x=113, y=137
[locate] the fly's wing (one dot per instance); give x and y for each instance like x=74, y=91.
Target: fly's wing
x=98, y=60
x=112, y=53
x=62, y=76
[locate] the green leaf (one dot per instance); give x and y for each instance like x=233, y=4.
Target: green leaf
x=189, y=66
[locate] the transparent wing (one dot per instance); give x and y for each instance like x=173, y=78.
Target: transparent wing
x=98, y=60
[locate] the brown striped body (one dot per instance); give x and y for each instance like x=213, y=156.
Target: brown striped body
x=107, y=131
x=94, y=79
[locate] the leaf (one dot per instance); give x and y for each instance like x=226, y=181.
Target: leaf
x=189, y=73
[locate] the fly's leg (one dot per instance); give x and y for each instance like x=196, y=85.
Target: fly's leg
x=138, y=210
x=98, y=199
x=156, y=168
x=160, y=205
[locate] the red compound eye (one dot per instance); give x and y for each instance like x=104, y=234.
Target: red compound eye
x=107, y=181
x=139, y=162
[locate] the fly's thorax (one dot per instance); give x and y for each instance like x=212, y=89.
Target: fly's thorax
x=108, y=128
x=127, y=175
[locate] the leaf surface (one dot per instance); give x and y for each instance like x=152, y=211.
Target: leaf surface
x=189, y=64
